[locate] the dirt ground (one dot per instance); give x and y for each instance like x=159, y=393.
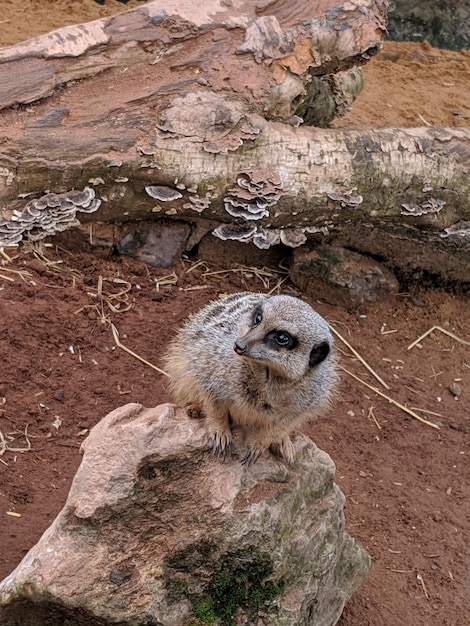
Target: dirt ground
x=406, y=482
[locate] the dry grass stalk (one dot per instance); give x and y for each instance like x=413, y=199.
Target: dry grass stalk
x=136, y=356
x=442, y=330
x=383, y=395
x=106, y=298
x=359, y=357
x=5, y=447
x=56, y=266
x=196, y=266
x=419, y=578
x=264, y=275
x=278, y=286
x=373, y=418
x=166, y=281
x=194, y=287
x=423, y=120
x=21, y=273
x=5, y=255
x=416, y=408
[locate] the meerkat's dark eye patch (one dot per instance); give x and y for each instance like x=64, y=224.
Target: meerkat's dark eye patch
x=258, y=316
x=319, y=354
x=281, y=339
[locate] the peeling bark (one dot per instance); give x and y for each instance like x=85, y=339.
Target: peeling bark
x=201, y=112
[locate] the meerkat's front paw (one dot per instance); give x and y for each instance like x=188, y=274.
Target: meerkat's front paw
x=222, y=443
x=284, y=448
x=252, y=454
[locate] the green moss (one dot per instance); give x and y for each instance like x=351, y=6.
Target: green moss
x=176, y=589
x=204, y=611
x=235, y=580
x=239, y=581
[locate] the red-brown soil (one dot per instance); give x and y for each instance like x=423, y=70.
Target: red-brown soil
x=406, y=483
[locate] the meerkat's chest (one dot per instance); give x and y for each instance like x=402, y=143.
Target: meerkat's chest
x=258, y=391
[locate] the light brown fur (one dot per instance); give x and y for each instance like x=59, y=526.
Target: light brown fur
x=262, y=362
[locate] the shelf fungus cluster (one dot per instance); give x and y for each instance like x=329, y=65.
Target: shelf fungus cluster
x=457, y=231
x=428, y=207
x=47, y=215
x=346, y=198
x=262, y=238
x=255, y=192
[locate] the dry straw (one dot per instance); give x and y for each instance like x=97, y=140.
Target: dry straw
x=391, y=400
x=442, y=330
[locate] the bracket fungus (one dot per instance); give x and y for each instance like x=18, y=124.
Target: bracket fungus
x=255, y=192
x=237, y=232
x=293, y=237
x=163, y=193
x=198, y=204
x=461, y=229
x=47, y=215
x=428, y=207
x=262, y=238
x=346, y=198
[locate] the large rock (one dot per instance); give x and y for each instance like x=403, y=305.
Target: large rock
x=341, y=277
x=157, y=531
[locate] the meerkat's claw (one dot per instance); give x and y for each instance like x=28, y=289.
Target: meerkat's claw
x=284, y=449
x=221, y=445
x=251, y=456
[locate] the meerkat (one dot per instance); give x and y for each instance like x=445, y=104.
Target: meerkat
x=262, y=362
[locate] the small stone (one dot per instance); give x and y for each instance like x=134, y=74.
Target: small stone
x=59, y=395
x=455, y=389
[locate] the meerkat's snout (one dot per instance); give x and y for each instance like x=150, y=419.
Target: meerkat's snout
x=239, y=347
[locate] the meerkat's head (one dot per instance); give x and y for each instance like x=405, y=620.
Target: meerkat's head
x=287, y=336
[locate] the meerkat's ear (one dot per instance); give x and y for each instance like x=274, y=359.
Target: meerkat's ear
x=319, y=353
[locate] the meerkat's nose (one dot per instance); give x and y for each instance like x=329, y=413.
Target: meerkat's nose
x=239, y=347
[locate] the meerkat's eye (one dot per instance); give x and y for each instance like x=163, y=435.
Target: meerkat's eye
x=258, y=317
x=281, y=339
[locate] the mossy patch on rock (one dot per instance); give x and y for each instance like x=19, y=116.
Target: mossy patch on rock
x=239, y=580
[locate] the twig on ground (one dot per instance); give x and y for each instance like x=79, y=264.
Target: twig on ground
x=423, y=120
x=372, y=416
x=397, y=404
x=262, y=274
x=442, y=330
x=419, y=578
x=136, y=356
x=5, y=447
x=165, y=281
x=359, y=357
x=5, y=255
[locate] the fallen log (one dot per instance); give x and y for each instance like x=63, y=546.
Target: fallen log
x=204, y=113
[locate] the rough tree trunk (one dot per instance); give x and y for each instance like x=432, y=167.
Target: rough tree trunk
x=204, y=113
